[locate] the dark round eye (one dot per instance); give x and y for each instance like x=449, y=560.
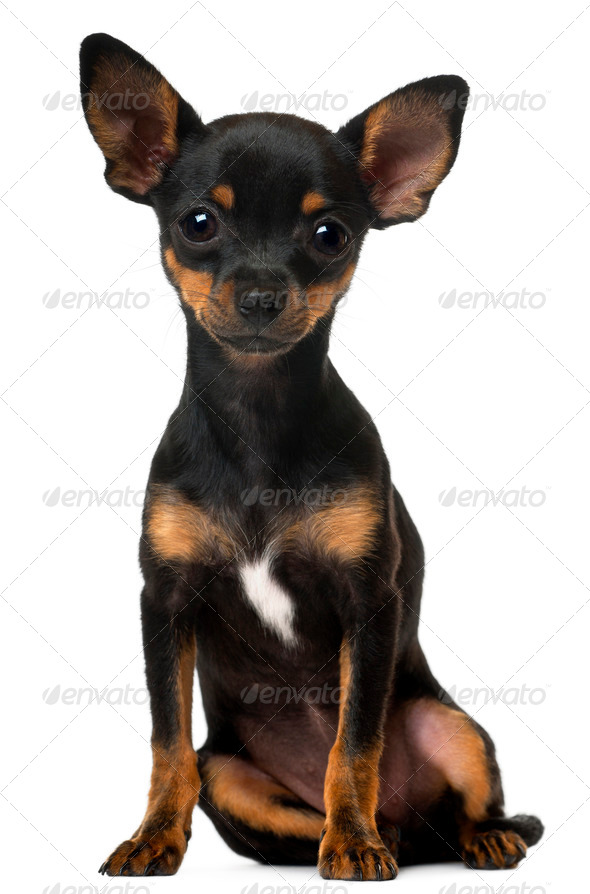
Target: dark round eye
x=330, y=238
x=199, y=226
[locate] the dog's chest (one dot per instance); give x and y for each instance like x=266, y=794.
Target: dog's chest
x=247, y=545
x=273, y=605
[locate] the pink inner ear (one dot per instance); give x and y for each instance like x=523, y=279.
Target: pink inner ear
x=142, y=134
x=406, y=162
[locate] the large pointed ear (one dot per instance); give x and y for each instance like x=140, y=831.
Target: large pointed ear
x=406, y=144
x=135, y=116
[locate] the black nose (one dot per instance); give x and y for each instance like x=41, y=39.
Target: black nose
x=260, y=306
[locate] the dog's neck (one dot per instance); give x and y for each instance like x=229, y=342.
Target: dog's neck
x=255, y=399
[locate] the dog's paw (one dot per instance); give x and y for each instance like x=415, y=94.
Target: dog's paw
x=391, y=837
x=494, y=849
x=155, y=853
x=355, y=858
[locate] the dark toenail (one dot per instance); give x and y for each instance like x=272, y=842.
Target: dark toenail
x=151, y=865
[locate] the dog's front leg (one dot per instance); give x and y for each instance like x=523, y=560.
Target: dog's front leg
x=351, y=847
x=159, y=844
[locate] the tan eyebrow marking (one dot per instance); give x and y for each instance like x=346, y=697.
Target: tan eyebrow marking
x=224, y=195
x=312, y=202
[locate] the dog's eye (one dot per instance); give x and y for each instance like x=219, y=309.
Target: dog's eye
x=330, y=238
x=199, y=226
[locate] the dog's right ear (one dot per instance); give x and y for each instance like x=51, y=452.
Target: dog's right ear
x=135, y=116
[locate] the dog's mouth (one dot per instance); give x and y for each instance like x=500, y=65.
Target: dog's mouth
x=255, y=344
x=277, y=336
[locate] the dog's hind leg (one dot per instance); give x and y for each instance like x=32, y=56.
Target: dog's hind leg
x=499, y=842
x=467, y=819
x=256, y=815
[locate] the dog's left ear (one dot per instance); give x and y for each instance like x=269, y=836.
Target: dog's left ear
x=137, y=118
x=406, y=144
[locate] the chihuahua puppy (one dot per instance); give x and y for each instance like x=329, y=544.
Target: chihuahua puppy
x=271, y=595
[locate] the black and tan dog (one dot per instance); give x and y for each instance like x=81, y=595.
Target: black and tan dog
x=261, y=220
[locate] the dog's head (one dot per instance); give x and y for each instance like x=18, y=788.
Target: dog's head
x=262, y=216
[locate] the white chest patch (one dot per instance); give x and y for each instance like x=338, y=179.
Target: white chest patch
x=272, y=604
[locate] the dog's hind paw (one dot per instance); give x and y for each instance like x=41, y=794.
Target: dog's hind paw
x=494, y=849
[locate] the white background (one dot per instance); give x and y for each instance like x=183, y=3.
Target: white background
x=467, y=397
